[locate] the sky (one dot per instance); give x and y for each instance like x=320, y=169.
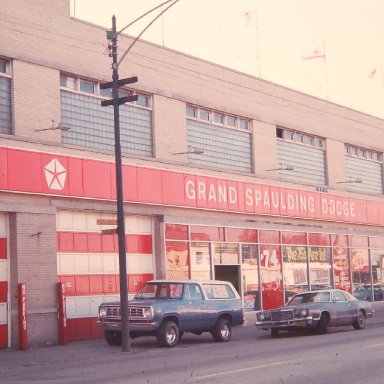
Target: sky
x=331, y=49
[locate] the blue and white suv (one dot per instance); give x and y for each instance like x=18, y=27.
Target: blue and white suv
x=168, y=308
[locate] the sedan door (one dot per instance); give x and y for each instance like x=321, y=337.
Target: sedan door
x=343, y=310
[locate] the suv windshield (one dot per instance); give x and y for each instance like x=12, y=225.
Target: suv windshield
x=161, y=291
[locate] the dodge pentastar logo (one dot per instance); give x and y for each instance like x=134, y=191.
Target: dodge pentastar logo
x=55, y=175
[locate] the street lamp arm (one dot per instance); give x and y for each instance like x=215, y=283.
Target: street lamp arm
x=141, y=33
x=140, y=17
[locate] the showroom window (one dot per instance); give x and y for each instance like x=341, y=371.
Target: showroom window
x=92, y=125
x=5, y=97
x=301, y=157
x=220, y=140
x=363, y=169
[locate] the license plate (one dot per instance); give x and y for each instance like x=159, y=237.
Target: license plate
x=301, y=324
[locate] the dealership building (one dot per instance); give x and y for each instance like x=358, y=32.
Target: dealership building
x=225, y=176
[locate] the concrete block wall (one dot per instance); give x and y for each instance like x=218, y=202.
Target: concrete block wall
x=170, y=128
x=33, y=261
x=36, y=100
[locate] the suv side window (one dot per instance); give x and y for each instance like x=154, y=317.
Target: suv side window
x=219, y=291
x=195, y=292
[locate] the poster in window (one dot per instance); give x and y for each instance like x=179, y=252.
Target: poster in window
x=271, y=276
x=177, y=261
x=341, y=268
x=200, y=261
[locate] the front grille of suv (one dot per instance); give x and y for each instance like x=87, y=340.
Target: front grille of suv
x=134, y=312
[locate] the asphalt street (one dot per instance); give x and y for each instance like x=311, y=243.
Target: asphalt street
x=252, y=356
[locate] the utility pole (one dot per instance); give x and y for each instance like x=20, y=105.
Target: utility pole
x=116, y=101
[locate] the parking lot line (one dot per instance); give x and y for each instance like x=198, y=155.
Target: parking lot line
x=240, y=370
x=374, y=346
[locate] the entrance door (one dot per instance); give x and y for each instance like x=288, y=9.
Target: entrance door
x=228, y=273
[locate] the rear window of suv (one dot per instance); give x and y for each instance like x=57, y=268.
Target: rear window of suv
x=219, y=291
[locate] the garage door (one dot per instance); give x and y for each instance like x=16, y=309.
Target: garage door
x=88, y=264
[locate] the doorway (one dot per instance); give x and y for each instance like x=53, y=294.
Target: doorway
x=229, y=273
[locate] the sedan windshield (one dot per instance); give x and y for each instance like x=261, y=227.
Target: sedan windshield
x=161, y=291
x=310, y=297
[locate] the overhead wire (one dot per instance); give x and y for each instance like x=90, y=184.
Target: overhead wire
x=197, y=75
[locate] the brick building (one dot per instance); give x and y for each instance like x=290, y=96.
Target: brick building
x=226, y=176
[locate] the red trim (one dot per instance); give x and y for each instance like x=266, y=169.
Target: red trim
x=3, y=248
x=3, y=336
x=82, y=285
x=319, y=239
x=176, y=232
x=62, y=314
x=98, y=243
x=22, y=316
x=83, y=329
x=269, y=237
x=293, y=238
x=24, y=171
x=3, y=291
x=242, y=235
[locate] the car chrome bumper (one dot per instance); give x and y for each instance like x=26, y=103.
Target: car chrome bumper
x=134, y=326
x=292, y=323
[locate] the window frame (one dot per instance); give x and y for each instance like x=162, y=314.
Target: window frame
x=228, y=120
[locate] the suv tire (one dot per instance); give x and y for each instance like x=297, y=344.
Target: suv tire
x=113, y=337
x=168, y=334
x=222, y=331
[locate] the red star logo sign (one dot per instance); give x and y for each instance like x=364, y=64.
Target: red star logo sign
x=55, y=175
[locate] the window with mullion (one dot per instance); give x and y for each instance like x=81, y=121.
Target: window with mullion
x=92, y=125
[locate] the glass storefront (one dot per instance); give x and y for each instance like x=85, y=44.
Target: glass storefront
x=267, y=267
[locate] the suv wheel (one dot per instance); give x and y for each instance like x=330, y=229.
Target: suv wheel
x=113, y=337
x=222, y=330
x=168, y=334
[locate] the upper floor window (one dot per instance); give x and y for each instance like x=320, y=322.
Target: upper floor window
x=299, y=137
x=220, y=140
x=364, y=153
x=363, y=169
x=4, y=66
x=93, y=88
x=92, y=125
x=219, y=118
x=301, y=157
x=5, y=97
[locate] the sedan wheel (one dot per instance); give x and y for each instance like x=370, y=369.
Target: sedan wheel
x=274, y=332
x=322, y=325
x=359, y=322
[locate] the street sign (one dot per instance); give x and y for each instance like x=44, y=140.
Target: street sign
x=106, y=221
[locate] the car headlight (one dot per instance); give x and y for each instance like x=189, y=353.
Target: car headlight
x=301, y=312
x=261, y=316
x=102, y=311
x=147, y=312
